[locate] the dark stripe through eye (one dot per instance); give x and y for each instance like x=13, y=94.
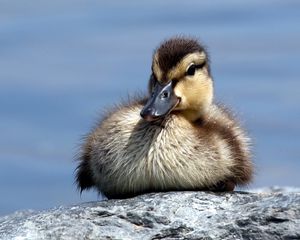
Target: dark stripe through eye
x=192, y=69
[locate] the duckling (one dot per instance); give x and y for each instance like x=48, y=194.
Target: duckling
x=176, y=138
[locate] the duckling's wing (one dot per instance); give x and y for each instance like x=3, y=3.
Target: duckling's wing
x=85, y=170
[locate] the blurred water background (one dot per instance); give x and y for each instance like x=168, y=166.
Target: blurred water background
x=62, y=61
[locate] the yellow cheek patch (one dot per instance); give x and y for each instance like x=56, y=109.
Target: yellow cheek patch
x=194, y=93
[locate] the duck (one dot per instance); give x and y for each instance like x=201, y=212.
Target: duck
x=174, y=138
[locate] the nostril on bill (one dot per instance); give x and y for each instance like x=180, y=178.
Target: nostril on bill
x=164, y=94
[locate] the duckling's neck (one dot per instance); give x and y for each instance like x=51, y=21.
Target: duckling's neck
x=192, y=115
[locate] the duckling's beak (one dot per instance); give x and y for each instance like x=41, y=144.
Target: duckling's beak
x=161, y=103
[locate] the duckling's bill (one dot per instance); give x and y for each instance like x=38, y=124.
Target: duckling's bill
x=162, y=101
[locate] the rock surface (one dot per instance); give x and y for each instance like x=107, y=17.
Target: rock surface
x=172, y=215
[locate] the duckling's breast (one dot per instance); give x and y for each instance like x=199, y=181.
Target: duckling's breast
x=132, y=155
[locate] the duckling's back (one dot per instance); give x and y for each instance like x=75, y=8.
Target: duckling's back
x=126, y=155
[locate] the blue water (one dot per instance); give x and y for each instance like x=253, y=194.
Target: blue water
x=61, y=62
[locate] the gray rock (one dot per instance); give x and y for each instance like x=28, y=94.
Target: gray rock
x=171, y=215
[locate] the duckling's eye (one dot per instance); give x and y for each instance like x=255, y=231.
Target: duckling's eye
x=191, y=70
x=193, y=67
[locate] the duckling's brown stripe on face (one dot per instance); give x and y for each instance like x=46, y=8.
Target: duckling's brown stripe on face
x=178, y=71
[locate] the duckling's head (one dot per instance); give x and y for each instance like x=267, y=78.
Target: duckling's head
x=180, y=81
